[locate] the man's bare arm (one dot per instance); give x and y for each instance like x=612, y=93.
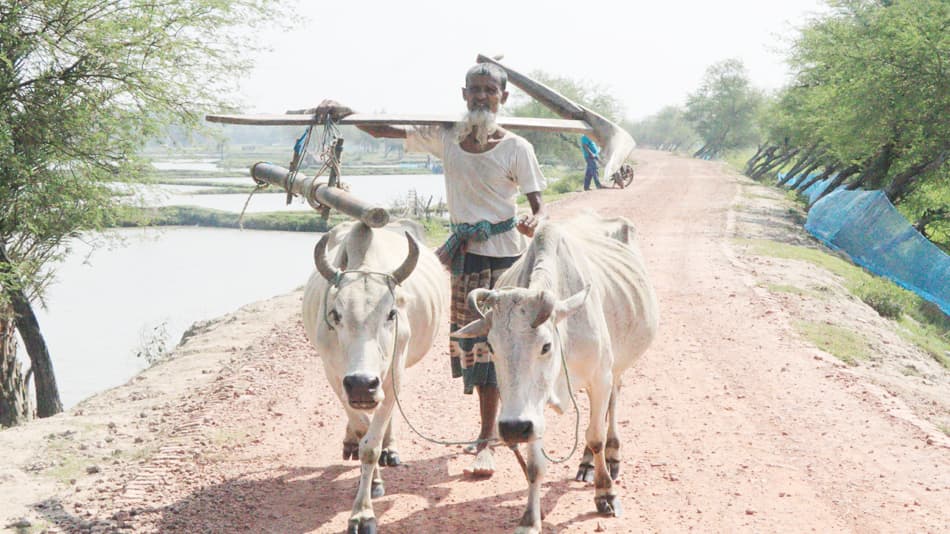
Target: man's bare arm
x=385, y=131
x=528, y=223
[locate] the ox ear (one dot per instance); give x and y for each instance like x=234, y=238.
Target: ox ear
x=476, y=328
x=567, y=307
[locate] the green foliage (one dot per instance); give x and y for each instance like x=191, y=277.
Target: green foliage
x=925, y=324
x=840, y=342
x=303, y=221
x=721, y=111
x=870, y=88
x=153, y=346
x=666, y=130
x=82, y=85
x=887, y=300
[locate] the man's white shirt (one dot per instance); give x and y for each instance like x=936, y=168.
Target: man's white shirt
x=483, y=186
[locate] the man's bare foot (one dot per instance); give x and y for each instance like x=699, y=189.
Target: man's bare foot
x=483, y=466
x=473, y=448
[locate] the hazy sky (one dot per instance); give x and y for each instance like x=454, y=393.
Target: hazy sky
x=411, y=55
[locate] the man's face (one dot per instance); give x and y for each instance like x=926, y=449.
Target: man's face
x=483, y=93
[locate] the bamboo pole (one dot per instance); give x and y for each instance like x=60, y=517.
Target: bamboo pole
x=319, y=195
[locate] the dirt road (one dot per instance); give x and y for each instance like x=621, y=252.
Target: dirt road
x=730, y=423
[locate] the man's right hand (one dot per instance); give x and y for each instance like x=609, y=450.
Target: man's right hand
x=336, y=110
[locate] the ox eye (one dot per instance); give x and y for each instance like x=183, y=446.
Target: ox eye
x=546, y=348
x=391, y=316
x=334, y=317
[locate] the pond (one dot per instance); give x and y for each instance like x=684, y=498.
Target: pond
x=151, y=284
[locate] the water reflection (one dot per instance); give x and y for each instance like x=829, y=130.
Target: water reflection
x=103, y=304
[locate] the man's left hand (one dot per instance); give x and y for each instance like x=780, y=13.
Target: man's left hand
x=528, y=223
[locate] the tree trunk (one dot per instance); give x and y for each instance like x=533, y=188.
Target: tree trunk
x=767, y=158
x=930, y=215
x=775, y=164
x=14, y=393
x=903, y=182
x=807, y=172
x=754, y=159
x=829, y=170
x=47, y=393
x=838, y=180
x=875, y=172
x=805, y=161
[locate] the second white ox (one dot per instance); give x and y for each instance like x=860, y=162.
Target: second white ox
x=371, y=311
x=580, y=292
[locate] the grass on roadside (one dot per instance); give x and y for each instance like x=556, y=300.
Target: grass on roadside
x=920, y=322
x=840, y=342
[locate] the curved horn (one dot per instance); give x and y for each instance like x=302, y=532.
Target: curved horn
x=403, y=271
x=320, y=259
x=545, y=309
x=475, y=295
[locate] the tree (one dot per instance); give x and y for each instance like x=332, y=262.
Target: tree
x=666, y=130
x=83, y=85
x=722, y=109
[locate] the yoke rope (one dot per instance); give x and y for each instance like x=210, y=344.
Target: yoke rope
x=392, y=370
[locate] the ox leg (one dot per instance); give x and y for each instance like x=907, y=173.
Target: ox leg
x=356, y=428
x=389, y=456
x=536, y=466
x=613, y=441
x=605, y=495
x=585, y=471
x=363, y=519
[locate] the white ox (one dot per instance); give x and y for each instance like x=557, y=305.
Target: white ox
x=380, y=298
x=580, y=292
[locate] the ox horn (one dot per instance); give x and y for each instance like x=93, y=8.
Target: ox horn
x=545, y=309
x=403, y=271
x=477, y=295
x=320, y=259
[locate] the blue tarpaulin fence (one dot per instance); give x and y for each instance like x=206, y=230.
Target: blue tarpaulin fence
x=867, y=227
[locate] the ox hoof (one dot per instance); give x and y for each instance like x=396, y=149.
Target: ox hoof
x=614, y=467
x=362, y=526
x=351, y=451
x=389, y=458
x=608, y=505
x=377, y=490
x=585, y=473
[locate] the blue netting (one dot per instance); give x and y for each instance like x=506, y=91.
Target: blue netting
x=867, y=227
x=814, y=190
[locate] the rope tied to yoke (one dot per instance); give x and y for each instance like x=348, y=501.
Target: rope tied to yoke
x=328, y=155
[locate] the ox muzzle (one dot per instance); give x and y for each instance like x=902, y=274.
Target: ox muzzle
x=362, y=391
x=516, y=430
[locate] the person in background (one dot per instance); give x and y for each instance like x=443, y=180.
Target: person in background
x=591, y=156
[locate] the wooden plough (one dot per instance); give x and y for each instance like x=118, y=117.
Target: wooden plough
x=617, y=144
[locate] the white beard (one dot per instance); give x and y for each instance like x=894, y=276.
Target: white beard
x=481, y=121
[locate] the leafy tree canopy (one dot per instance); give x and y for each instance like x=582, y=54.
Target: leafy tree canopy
x=721, y=111
x=83, y=85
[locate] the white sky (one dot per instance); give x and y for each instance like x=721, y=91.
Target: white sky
x=404, y=56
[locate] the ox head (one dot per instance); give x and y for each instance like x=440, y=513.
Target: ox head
x=365, y=310
x=520, y=326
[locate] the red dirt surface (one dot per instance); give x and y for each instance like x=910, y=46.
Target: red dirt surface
x=730, y=422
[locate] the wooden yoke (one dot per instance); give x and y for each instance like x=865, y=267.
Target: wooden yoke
x=617, y=144
x=320, y=196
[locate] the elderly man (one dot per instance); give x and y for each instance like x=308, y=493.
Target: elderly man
x=485, y=167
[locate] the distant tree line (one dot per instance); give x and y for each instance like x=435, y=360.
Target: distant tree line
x=868, y=107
